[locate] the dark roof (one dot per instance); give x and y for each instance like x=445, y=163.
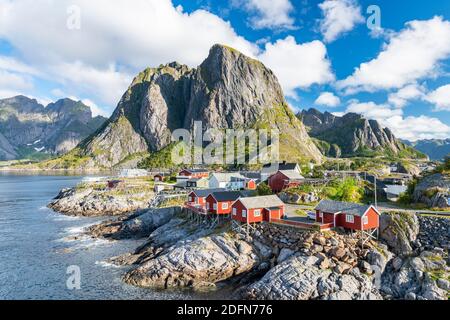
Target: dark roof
x=283, y=166
x=205, y=192
x=226, y=195
x=331, y=206
x=252, y=175
x=195, y=170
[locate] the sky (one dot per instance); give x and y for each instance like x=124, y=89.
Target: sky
x=387, y=60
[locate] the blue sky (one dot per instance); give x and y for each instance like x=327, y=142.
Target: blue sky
x=322, y=51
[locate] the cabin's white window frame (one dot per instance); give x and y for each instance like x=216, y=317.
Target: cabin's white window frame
x=320, y=214
x=234, y=211
x=215, y=206
x=349, y=218
x=207, y=205
x=225, y=206
x=257, y=213
x=191, y=199
x=365, y=220
x=244, y=213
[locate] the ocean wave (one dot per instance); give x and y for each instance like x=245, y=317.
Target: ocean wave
x=106, y=264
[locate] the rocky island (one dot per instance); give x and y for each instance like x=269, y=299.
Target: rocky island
x=99, y=199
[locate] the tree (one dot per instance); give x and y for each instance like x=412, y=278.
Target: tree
x=263, y=189
x=346, y=190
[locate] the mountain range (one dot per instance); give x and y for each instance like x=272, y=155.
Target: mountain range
x=30, y=130
x=353, y=135
x=436, y=149
x=228, y=90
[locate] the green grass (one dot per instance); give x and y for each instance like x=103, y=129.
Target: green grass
x=301, y=213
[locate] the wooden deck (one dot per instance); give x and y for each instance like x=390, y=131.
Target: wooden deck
x=303, y=224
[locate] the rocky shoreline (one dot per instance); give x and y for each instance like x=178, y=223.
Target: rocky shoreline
x=276, y=262
x=93, y=202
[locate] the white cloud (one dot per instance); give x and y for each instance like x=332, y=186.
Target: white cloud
x=440, y=98
x=269, y=13
x=417, y=128
x=411, y=54
x=372, y=110
x=339, y=16
x=328, y=99
x=15, y=77
x=151, y=33
x=298, y=65
x=106, y=85
x=410, y=92
x=409, y=128
x=96, y=110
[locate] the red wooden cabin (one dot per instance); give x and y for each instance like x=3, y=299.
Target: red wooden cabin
x=284, y=179
x=194, y=173
x=220, y=202
x=257, y=209
x=159, y=177
x=348, y=215
x=198, y=197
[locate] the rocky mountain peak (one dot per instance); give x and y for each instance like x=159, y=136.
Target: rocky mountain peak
x=352, y=134
x=27, y=128
x=227, y=90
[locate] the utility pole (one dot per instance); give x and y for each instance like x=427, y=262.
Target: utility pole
x=375, y=182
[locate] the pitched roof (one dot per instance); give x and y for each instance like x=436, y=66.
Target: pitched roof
x=283, y=166
x=227, y=176
x=252, y=175
x=226, y=195
x=206, y=192
x=261, y=202
x=292, y=174
x=197, y=179
x=195, y=170
x=331, y=206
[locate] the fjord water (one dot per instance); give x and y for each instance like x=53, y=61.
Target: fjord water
x=36, y=249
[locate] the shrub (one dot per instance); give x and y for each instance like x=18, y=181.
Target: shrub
x=263, y=189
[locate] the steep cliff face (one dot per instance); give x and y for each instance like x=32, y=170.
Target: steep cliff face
x=353, y=135
x=228, y=90
x=28, y=128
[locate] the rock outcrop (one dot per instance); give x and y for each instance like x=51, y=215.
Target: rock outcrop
x=137, y=225
x=199, y=263
x=228, y=90
x=422, y=277
x=352, y=135
x=28, y=128
x=300, y=278
x=91, y=202
x=433, y=190
x=399, y=230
